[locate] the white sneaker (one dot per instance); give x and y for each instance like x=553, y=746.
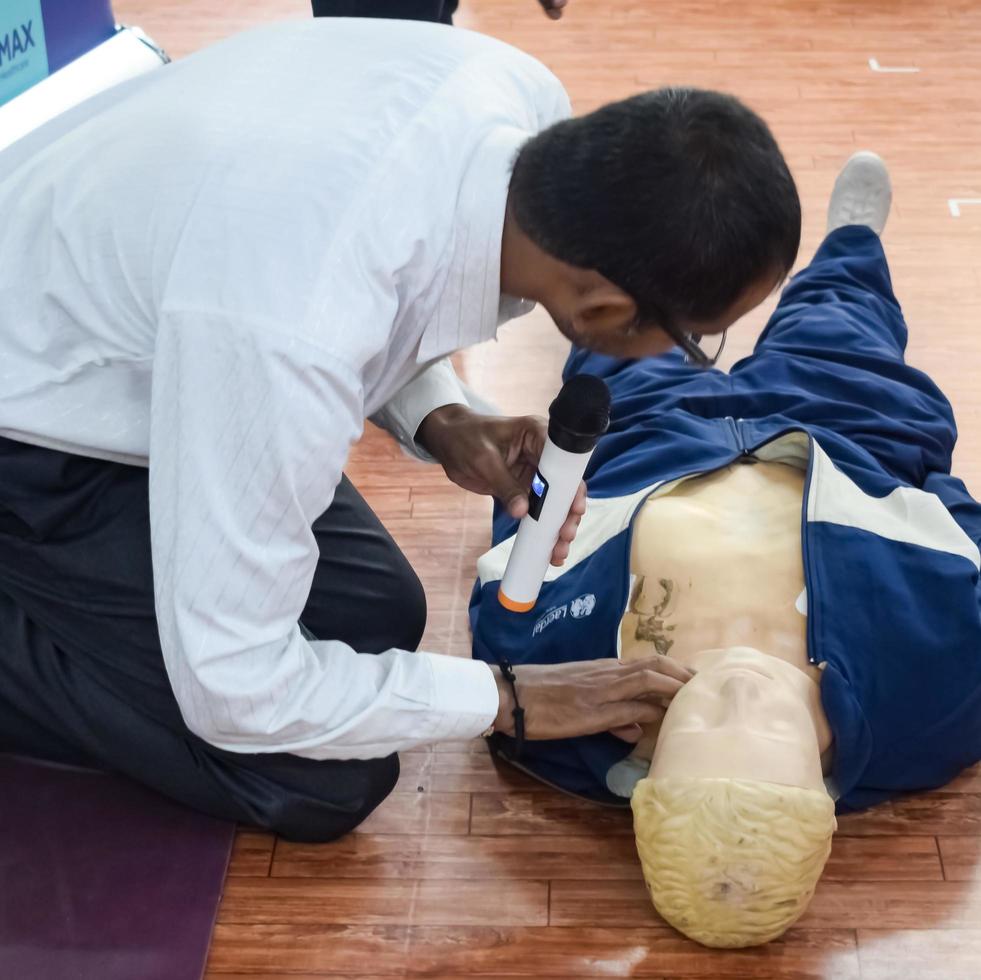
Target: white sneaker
x=862, y=194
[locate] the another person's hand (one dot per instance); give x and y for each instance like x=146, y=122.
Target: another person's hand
x=497, y=456
x=586, y=697
x=553, y=8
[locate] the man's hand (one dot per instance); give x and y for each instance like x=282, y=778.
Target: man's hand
x=496, y=456
x=565, y=700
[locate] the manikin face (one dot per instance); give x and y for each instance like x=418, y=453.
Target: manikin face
x=744, y=715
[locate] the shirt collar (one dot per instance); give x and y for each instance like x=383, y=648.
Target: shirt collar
x=471, y=307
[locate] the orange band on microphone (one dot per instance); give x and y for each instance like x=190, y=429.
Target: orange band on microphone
x=512, y=604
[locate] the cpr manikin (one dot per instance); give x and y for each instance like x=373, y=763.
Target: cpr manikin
x=733, y=821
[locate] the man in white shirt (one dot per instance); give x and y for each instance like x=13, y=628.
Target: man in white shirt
x=210, y=277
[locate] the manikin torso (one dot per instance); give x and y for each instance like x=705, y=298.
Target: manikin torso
x=717, y=565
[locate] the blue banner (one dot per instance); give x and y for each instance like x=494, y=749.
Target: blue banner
x=23, y=55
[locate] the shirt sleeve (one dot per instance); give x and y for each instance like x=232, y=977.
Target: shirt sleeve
x=250, y=428
x=402, y=415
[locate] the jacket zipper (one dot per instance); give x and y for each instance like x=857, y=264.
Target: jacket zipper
x=805, y=555
x=736, y=435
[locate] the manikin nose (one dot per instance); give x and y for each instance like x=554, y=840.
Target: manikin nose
x=740, y=698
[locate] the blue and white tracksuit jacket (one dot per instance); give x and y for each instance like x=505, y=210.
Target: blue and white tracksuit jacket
x=890, y=539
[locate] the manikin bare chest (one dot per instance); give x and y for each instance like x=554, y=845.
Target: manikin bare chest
x=717, y=563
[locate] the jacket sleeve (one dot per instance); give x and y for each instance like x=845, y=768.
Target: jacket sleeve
x=955, y=497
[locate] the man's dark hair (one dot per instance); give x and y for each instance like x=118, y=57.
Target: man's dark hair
x=680, y=197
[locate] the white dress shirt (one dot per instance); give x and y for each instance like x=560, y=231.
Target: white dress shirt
x=220, y=270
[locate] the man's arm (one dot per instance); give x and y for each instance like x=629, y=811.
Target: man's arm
x=250, y=429
x=436, y=417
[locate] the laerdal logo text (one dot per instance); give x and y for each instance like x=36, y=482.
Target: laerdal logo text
x=16, y=42
x=579, y=608
x=558, y=612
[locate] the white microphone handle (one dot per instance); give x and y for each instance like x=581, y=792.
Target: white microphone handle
x=535, y=539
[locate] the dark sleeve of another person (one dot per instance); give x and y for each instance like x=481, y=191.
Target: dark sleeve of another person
x=436, y=11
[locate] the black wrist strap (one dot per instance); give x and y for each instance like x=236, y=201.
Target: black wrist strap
x=519, y=713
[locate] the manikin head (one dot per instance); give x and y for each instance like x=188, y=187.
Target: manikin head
x=670, y=212
x=734, y=823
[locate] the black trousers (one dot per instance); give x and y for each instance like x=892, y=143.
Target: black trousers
x=82, y=679
x=438, y=11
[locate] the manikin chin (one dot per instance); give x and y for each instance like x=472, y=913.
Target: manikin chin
x=733, y=822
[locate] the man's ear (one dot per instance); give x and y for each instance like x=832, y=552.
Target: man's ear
x=602, y=309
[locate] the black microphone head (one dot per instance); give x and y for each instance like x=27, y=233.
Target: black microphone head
x=580, y=414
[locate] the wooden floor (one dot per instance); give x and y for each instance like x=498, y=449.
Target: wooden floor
x=467, y=871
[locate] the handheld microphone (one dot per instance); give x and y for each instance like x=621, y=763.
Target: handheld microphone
x=577, y=418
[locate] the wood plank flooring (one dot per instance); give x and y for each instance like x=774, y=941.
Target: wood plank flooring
x=469, y=871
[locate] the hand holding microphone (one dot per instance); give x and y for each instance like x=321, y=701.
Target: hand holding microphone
x=503, y=456
x=497, y=456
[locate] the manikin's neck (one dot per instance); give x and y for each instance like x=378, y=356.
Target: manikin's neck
x=808, y=688
x=745, y=715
